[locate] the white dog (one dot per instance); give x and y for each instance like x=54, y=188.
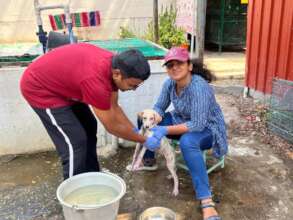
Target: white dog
x=149, y=121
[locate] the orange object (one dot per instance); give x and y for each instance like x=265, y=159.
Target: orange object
x=185, y=46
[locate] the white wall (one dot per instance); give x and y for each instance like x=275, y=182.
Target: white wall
x=21, y=130
x=18, y=21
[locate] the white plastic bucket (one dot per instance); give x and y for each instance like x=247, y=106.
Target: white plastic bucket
x=107, y=211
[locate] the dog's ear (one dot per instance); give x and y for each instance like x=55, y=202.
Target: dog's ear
x=157, y=117
x=140, y=115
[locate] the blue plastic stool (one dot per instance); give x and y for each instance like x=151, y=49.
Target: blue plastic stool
x=181, y=163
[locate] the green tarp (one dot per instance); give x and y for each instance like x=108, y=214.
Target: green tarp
x=149, y=49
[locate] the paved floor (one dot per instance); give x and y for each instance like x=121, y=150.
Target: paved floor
x=226, y=65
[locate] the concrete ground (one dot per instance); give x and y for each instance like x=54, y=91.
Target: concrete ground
x=226, y=65
x=256, y=183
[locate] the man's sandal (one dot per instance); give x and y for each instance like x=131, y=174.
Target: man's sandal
x=210, y=205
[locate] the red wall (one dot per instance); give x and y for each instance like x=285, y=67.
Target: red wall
x=269, y=51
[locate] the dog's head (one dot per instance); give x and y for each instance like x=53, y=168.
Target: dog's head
x=149, y=118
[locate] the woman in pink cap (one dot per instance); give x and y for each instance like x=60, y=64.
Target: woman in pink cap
x=196, y=121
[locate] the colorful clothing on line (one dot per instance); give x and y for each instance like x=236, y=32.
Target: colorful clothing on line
x=79, y=19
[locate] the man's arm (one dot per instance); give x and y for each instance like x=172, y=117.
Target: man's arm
x=120, y=115
x=116, y=122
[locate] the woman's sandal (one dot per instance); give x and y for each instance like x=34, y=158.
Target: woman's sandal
x=210, y=205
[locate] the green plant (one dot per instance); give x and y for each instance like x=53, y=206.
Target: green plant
x=169, y=34
x=126, y=33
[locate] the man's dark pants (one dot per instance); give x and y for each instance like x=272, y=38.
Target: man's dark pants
x=73, y=131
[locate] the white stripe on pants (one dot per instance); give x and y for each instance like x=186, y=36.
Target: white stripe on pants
x=67, y=140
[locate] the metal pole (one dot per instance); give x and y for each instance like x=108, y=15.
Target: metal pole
x=42, y=34
x=200, y=28
x=156, y=20
x=223, y=5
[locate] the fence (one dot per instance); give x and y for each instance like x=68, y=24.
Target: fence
x=280, y=115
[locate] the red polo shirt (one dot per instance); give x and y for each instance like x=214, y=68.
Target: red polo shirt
x=77, y=72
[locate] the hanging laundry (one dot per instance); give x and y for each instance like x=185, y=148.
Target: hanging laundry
x=79, y=19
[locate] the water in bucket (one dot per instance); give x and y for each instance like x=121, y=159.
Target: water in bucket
x=91, y=195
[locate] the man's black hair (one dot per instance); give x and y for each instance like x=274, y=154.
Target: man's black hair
x=132, y=63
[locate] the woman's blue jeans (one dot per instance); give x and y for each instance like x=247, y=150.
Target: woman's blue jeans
x=192, y=144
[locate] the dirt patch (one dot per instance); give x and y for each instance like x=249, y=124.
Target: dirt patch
x=252, y=124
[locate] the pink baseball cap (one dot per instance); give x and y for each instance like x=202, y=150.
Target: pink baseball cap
x=176, y=53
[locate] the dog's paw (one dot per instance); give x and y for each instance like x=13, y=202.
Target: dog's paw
x=169, y=177
x=129, y=168
x=175, y=192
x=135, y=167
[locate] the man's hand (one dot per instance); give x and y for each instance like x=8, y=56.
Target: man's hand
x=160, y=131
x=135, y=130
x=152, y=143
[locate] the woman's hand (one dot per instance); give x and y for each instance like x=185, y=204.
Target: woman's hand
x=160, y=131
x=152, y=143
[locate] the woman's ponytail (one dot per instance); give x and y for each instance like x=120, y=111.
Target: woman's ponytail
x=199, y=69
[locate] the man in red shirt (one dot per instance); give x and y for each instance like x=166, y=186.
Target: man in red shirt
x=61, y=84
